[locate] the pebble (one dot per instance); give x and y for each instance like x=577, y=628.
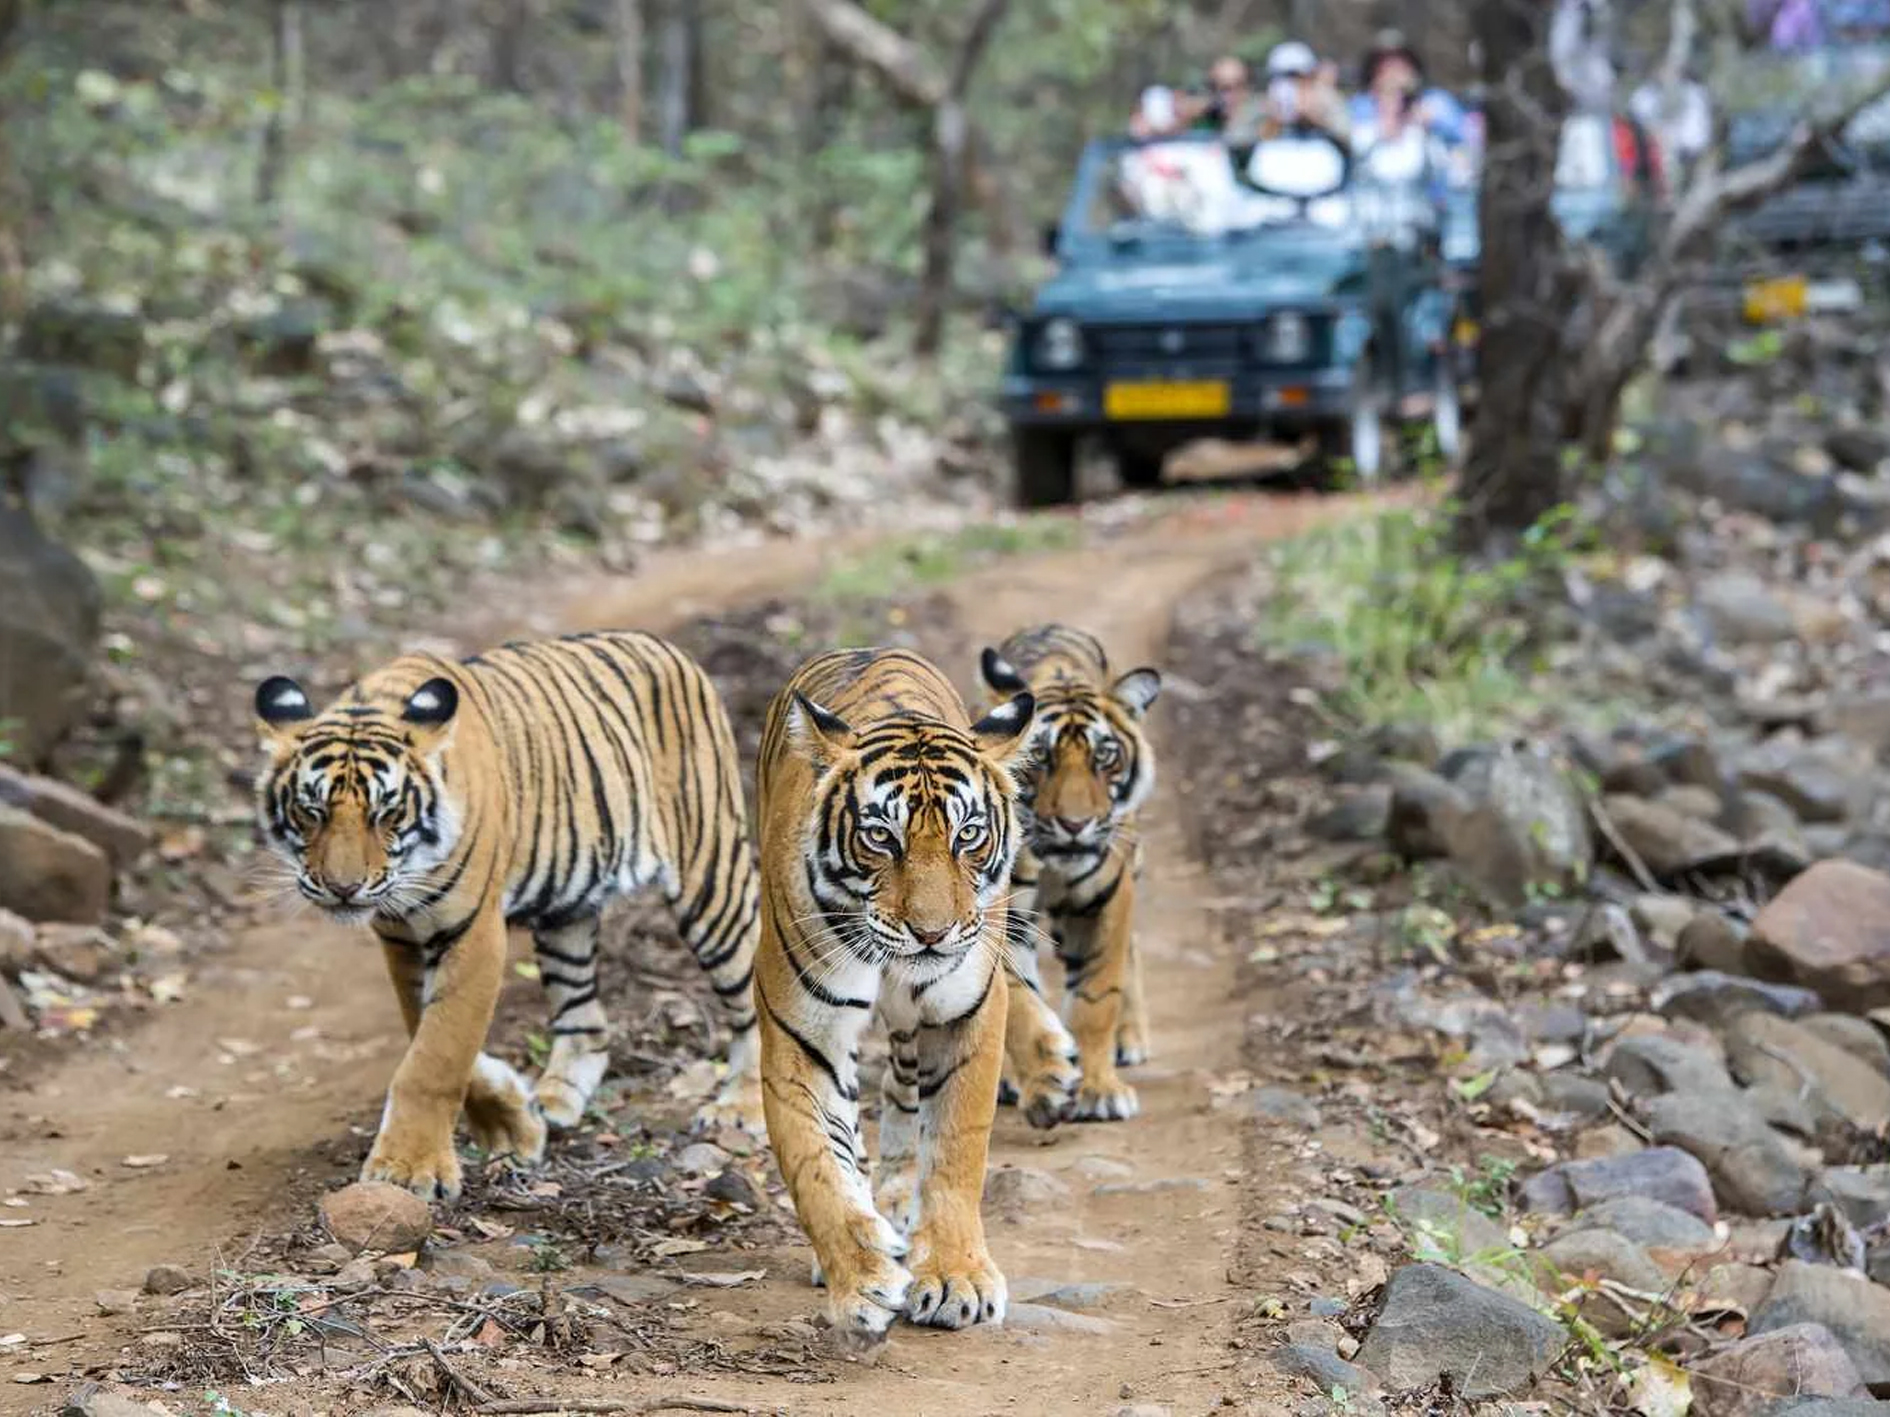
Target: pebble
x=167, y=1279
x=374, y=1215
x=1044, y=1318
x=1435, y=1322
x=116, y=1301
x=1747, y=1379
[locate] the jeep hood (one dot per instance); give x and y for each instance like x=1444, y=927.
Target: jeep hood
x=1227, y=281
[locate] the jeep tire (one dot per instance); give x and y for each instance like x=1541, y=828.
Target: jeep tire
x=1045, y=466
x=1139, y=470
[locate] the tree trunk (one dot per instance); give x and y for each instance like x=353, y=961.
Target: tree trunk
x=831, y=85
x=950, y=142
x=13, y=196
x=286, y=78
x=675, y=101
x=629, y=17
x=508, y=44
x=1514, y=472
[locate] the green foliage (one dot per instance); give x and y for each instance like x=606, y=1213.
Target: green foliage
x=1487, y=1189
x=1422, y=634
x=934, y=558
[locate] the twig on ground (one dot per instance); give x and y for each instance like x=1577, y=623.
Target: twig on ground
x=608, y=1404
x=458, y=1379
x=1619, y=843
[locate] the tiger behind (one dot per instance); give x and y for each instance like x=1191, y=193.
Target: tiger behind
x=1090, y=767
x=529, y=785
x=886, y=843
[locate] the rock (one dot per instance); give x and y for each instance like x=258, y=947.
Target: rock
x=1862, y=1193
x=50, y=608
x=1733, y=1288
x=1648, y=1222
x=1750, y=481
x=1750, y=1166
x=1647, y=1065
x=1434, y=1322
x=1015, y=1190
x=1740, y=609
x=1753, y=814
x=1711, y=941
x=1551, y=1022
x=701, y=1158
x=1701, y=803
x=327, y=1258
x=1360, y=815
x=1716, y=999
x=90, y=1400
x=167, y=1279
x=1747, y=1379
x=1531, y=794
x=1067, y=1294
x=1816, y=789
x=1856, y=1312
x=1455, y=1231
x=1281, y=1104
x=1045, y=1319
x=60, y=330
x=1787, y=1055
x=734, y=1188
x=375, y=1215
x=1786, y=1108
x=1607, y=1254
x=1833, y=1407
x=1864, y=719
x=1824, y=1236
x=1854, y=1035
x=1404, y=742
x=353, y=1277
x=1321, y=1366
x=17, y=936
x=1858, y=447
x=48, y=874
x=463, y=1263
x=1663, y=916
x=1662, y=1173
x=120, y=837
x=1667, y=842
x=1829, y=930
x=116, y=1301
x=1421, y=803
x=1576, y=1095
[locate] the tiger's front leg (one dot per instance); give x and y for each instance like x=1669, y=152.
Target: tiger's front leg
x=459, y=988
x=1095, y=952
x=810, y=1098
x=955, y=1282
x=1039, y=1055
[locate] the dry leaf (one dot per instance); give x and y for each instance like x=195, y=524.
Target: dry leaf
x=16, y=1224
x=54, y=1183
x=141, y=1163
x=545, y=1188
x=678, y=1247
x=490, y=1335
x=722, y=1279
x=597, y=1360
x=1661, y=1390
x=491, y=1229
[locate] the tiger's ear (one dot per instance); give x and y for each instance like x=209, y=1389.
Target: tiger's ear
x=281, y=704
x=817, y=733
x=428, y=714
x=1137, y=690
x=1000, y=673
x=1003, y=732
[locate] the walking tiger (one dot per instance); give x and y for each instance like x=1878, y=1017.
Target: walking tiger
x=439, y=802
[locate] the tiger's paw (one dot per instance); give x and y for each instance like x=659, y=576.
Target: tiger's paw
x=1105, y=1101
x=502, y=1115
x=430, y=1169
x=569, y=1082
x=1008, y=1095
x=967, y=1291
x=866, y=1284
x=1131, y=1051
x=1050, y=1093
x=738, y=1105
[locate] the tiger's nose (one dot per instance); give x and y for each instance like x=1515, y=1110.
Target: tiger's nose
x=1071, y=825
x=928, y=938
x=344, y=894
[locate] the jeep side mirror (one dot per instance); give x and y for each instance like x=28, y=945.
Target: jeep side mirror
x=1050, y=235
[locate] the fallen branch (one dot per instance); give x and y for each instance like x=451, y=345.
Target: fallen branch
x=458, y=1379
x=610, y=1404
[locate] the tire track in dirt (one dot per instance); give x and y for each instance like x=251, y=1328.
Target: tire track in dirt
x=250, y=1085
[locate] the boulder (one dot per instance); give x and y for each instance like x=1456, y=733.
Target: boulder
x=1667, y=842
x=120, y=837
x=1662, y=1173
x=1829, y=930
x=1421, y=802
x=1647, y=1222
x=1862, y=1193
x=1606, y=1255
x=50, y=607
x=1856, y=1312
x=1749, y=1378
x=1787, y=1055
x=1463, y=1235
x=1322, y=1366
x=1649, y=1064
x=1814, y=787
x=48, y=874
x=373, y=1215
x=1434, y=1322
x=1711, y=941
x=1856, y=1036
x=1740, y=609
x=1531, y=792
x=1752, y=1169
x=1716, y=999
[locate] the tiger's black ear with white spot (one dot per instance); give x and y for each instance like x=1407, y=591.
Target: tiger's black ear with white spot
x=999, y=672
x=428, y=714
x=281, y=703
x=1004, y=732
x=1137, y=690
x=819, y=734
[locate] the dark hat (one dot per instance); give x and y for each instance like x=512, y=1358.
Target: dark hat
x=1387, y=44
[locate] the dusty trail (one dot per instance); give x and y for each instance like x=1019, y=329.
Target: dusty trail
x=249, y=1086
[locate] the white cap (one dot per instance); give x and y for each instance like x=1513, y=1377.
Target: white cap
x=1291, y=58
x=1158, y=106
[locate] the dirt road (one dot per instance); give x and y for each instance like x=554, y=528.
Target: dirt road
x=208, y=1133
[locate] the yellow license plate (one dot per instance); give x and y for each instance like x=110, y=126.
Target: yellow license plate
x=1467, y=332
x=1204, y=399
x=1781, y=298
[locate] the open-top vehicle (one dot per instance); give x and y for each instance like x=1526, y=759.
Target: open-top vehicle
x=1208, y=293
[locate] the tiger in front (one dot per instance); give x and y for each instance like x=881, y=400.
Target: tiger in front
x=440, y=802
x=1089, y=769
x=887, y=839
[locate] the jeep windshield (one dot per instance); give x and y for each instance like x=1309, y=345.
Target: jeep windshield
x=1191, y=190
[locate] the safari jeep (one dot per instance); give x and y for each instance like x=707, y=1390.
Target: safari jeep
x=1193, y=302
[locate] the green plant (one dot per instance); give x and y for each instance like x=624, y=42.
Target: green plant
x=1488, y=1188
x=547, y=1258
x=935, y=558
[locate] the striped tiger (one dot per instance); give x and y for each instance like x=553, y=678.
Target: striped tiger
x=529, y=785
x=1089, y=769
x=886, y=844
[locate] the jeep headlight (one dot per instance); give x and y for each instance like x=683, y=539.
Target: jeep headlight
x=1060, y=344
x=1286, y=338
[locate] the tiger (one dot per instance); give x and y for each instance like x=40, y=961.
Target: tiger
x=530, y=784
x=887, y=839
x=1089, y=769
